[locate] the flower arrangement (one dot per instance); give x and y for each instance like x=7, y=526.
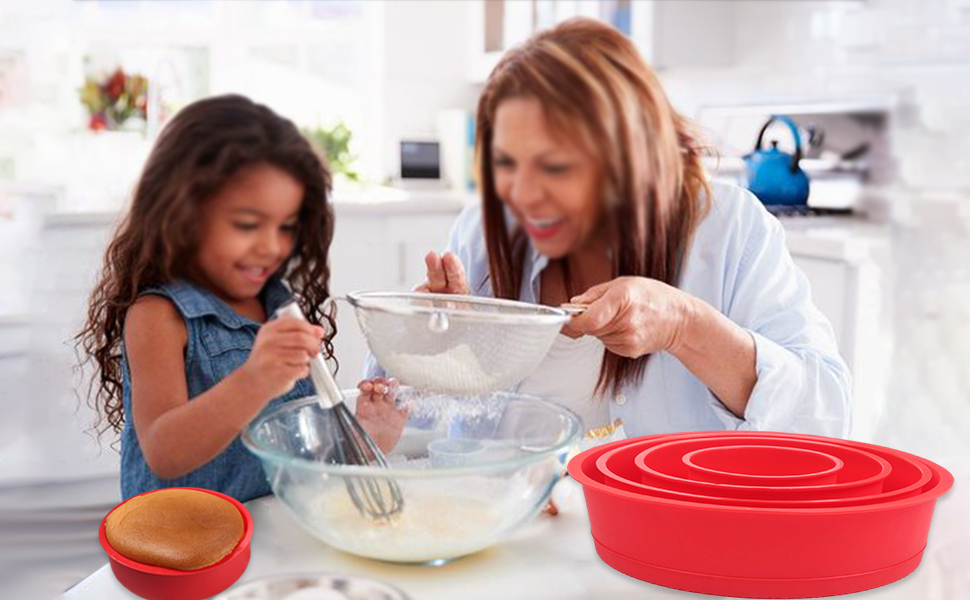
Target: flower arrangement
x=111, y=102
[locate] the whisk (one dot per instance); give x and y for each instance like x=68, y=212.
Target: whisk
x=375, y=497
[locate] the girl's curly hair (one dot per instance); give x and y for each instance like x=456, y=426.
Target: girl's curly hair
x=200, y=149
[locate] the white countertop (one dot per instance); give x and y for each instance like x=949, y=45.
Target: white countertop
x=552, y=557
x=844, y=238
x=379, y=200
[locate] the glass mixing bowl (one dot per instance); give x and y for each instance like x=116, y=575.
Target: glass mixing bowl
x=471, y=470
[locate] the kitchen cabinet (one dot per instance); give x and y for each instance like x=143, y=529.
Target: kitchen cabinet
x=495, y=26
x=846, y=281
x=14, y=361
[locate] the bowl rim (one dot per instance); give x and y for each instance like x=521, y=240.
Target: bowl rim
x=539, y=314
x=141, y=567
x=927, y=495
x=562, y=448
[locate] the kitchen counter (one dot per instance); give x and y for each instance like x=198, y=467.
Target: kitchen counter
x=380, y=201
x=552, y=557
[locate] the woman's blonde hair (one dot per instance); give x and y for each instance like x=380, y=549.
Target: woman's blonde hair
x=595, y=88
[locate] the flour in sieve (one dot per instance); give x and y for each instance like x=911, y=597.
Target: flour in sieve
x=456, y=369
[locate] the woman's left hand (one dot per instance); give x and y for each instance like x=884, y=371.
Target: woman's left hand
x=633, y=316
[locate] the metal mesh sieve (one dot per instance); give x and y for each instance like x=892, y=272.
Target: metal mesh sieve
x=456, y=344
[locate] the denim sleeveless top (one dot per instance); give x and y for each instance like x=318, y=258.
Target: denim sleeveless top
x=219, y=341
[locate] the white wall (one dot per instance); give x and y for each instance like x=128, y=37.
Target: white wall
x=425, y=70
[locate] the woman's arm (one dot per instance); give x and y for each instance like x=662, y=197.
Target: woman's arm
x=766, y=353
x=177, y=436
x=634, y=316
x=803, y=384
x=718, y=352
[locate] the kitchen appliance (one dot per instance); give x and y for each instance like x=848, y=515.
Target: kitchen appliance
x=515, y=452
x=348, y=443
x=754, y=547
x=457, y=344
x=420, y=160
x=161, y=583
x=775, y=177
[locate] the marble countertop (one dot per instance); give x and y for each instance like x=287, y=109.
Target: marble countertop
x=552, y=557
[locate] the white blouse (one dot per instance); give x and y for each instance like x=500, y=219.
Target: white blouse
x=568, y=376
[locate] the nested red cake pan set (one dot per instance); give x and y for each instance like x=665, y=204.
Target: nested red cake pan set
x=757, y=514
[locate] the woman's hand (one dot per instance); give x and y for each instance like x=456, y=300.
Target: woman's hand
x=445, y=275
x=633, y=316
x=377, y=412
x=281, y=356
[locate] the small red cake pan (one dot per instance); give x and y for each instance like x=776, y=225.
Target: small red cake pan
x=161, y=583
x=751, y=464
x=729, y=547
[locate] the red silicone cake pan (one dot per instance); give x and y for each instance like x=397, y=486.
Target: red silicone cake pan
x=863, y=474
x=161, y=583
x=752, y=548
x=751, y=464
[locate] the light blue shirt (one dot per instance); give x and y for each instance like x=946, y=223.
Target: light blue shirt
x=739, y=264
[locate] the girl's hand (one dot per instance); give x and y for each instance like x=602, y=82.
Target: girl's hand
x=377, y=412
x=445, y=275
x=633, y=316
x=281, y=356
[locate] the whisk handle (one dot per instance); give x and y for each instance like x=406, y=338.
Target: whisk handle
x=327, y=390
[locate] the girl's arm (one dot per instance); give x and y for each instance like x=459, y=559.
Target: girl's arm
x=177, y=436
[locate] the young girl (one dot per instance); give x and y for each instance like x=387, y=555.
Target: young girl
x=230, y=215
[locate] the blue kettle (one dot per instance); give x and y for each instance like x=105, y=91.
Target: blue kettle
x=774, y=176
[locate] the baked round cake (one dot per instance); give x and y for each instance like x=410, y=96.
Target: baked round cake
x=175, y=528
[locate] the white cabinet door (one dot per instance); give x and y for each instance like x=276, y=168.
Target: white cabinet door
x=412, y=237
x=846, y=290
x=358, y=261
x=496, y=26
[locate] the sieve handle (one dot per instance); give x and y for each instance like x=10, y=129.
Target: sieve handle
x=327, y=391
x=574, y=309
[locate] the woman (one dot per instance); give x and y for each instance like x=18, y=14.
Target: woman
x=593, y=192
